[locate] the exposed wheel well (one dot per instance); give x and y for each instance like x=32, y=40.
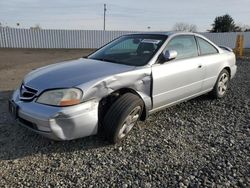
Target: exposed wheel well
x=229, y=71
x=107, y=101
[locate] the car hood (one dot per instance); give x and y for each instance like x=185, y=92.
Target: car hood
x=72, y=73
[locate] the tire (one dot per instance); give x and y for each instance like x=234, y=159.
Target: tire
x=220, y=89
x=121, y=117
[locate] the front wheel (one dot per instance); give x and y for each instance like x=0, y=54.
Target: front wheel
x=221, y=85
x=122, y=116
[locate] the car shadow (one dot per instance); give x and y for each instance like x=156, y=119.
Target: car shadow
x=17, y=142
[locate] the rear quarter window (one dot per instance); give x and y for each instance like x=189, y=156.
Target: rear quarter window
x=205, y=47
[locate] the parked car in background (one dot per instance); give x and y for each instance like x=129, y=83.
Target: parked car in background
x=121, y=83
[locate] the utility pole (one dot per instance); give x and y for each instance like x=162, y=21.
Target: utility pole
x=104, y=17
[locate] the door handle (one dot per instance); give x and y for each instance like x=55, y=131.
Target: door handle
x=199, y=66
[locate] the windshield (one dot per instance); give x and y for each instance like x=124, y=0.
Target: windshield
x=135, y=50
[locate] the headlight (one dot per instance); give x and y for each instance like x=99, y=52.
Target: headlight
x=61, y=97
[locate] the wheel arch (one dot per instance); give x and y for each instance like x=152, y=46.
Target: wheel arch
x=106, y=102
x=225, y=67
x=228, y=69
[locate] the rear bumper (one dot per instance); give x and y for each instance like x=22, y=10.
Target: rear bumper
x=56, y=122
x=233, y=71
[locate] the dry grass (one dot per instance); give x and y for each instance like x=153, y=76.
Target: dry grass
x=16, y=63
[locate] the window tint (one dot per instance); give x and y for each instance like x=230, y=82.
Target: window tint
x=124, y=47
x=205, y=47
x=184, y=45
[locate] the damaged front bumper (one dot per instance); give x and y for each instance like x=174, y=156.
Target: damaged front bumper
x=58, y=123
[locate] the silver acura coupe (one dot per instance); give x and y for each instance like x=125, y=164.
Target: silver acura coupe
x=121, y=83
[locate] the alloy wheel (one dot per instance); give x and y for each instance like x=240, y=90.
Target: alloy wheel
x=223, y=84
x=130, y=121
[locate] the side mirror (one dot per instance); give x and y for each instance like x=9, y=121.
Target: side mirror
x=169, y=55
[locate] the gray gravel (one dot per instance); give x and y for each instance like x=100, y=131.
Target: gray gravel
x=199, y=143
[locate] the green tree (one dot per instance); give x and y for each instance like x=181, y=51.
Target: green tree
x=224, y=23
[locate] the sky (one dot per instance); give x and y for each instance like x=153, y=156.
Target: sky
x=159, y=15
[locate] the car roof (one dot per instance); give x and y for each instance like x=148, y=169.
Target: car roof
x=166, y=33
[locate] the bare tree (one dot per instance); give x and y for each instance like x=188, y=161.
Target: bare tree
x=36, y=27
x=2, y=25
x=243, y=27
x=181, y=26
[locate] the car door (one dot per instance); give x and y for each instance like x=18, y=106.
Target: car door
x=180, y=78
x=212, y=62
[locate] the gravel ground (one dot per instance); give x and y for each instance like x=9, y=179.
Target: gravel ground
x=199, y=143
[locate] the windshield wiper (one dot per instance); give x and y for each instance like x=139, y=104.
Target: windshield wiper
x=109, y=60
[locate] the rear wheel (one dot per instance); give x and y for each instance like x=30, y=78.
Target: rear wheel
x=221, y=85
x=122, y=116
